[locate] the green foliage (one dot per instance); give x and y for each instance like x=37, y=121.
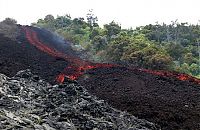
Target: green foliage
x=189, y=59
x=92, y=19
x=160, y=61
x=175, y=50
x=184, y=68
x=112, y=29
x=159, y=46
x=194, y=69
x=99, y=43
x=117, y=47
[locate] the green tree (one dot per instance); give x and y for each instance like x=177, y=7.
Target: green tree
x=185, y=68
x=112, y=29
x=158, y=46
x=92, y=19
x=49, y=18
x=160, y=61
x=176, y=50
x=99, y=43
x=117, y=46
x=189, y=59
x=194, y=69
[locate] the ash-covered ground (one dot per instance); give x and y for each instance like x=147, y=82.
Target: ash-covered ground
x=171, y=103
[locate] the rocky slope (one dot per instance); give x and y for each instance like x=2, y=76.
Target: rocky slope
x=172, y=102
x=27, y=102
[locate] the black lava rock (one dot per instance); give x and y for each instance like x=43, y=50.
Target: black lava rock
x=27, y=102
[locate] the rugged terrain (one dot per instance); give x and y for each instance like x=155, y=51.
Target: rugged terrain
x=168, y=99
x=171, y=103
x=27, y=102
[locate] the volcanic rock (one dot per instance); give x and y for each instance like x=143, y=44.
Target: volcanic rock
x=170, y=100
x=171, y=103
x=28, y=102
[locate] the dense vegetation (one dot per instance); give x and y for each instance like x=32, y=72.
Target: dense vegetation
x=8, y=28
x=167, y=47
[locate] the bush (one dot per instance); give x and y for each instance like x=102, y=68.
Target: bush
x=9, y=28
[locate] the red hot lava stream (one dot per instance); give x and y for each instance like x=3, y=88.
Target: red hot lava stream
x=77, y=66
x=179, y=76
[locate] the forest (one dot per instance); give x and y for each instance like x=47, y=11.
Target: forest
x=172, y=47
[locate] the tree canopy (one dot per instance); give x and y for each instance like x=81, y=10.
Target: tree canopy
x=159, y=46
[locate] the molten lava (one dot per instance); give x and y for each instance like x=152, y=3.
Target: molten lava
x=77, y=66
x=75, y=71
x=179, y=76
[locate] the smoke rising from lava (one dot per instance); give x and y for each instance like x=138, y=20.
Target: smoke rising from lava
x=77, y=66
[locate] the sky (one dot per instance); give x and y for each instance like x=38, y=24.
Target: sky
x=127, y=13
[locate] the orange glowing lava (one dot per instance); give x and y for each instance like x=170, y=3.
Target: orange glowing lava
x=77, y=66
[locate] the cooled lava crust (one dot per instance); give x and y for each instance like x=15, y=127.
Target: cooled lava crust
x=169, y=99
x=19, y=55
x=169, y=102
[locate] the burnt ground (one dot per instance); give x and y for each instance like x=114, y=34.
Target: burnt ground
x=172, y=104
x=19, y=55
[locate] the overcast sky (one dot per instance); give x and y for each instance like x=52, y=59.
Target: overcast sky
x=128, y=13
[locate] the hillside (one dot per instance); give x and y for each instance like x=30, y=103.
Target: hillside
x=28, y=102
x=169, y=99
x=160, y=46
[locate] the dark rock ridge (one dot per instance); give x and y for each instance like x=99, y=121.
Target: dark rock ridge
x=27, y=102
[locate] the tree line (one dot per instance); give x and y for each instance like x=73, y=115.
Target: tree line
x=155, y=46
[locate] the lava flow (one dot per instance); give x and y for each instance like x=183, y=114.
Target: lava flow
x=78, y=66
x=179, y=76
